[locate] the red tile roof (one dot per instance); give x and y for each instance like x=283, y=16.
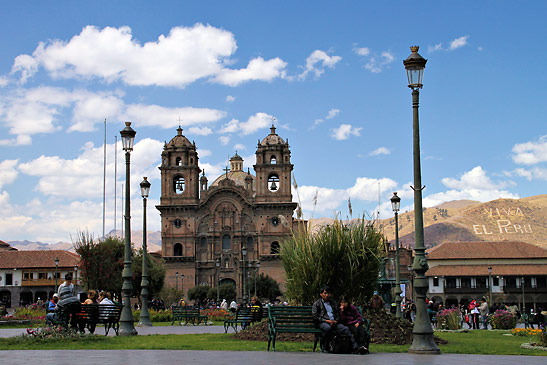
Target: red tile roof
x=482, y=270
x=485, y=250
x=37, y=259
x=6, y=246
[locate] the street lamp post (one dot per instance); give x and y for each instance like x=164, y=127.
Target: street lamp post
x=490, y=285
x=244, y=254
x=217, y=264
x=176, y=280
x=395, y=205
x=422, y=333
x=56, y=272
x=256, y=273
x=127, y=327
x=523, y=302
x=182, y=284
x=145, y=315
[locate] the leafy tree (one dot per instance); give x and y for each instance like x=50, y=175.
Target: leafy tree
x=156, y=275
x=344, y=256
x=225, y=291
x=101, y=262
x=198, y=294
x=170, y=296
x=266, y=287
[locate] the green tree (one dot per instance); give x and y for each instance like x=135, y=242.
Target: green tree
x=266, y=287
x=101, y=262
x=344, y=256
x=170, y=296
x=225, y=291
x=156, y=273
x=198, y=294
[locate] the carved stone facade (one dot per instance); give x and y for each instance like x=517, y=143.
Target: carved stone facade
x=215, y=233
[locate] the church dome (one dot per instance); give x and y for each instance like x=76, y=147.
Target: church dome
x=272, y=138
x=179, y=140
x=238, y=177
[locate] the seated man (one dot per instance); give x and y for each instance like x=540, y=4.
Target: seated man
x=326, y=316
x=51, y=316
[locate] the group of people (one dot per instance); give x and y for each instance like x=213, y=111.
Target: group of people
x=65, y=304
x=339, y=323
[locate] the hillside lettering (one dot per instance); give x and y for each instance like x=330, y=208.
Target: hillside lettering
x=503, y=226
x=503, y=212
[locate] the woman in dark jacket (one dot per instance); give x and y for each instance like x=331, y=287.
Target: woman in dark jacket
x=350, y=317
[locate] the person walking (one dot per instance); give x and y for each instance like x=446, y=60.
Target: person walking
x=483, y=309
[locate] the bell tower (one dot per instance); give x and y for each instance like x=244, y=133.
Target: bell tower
x=273, y=169
x=179, y=172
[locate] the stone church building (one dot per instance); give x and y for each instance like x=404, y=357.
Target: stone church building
x=230, y=230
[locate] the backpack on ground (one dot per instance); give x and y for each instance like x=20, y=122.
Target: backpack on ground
x=340, y=344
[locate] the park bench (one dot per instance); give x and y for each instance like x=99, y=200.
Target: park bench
x=291, y=319
x=244, y=316
x=106, y=314
x=188, y=314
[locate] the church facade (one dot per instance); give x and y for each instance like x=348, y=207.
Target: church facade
x=232, y=229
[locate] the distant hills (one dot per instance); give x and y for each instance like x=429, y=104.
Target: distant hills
x=465, y=220
x=461, y=220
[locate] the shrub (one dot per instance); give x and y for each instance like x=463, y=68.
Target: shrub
x=449, y=319
x=155, y=316
x=37, y=314
x=525, y=332
x=503, y=320
x=214, y=314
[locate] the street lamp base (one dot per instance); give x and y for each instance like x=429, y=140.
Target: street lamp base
x=423, y=344
x=127, y=331
x=145, y=324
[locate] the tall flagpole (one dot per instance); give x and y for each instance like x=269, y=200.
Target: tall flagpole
x=115, y=179
x=104, y=178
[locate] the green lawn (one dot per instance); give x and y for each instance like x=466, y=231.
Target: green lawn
x=474, y=342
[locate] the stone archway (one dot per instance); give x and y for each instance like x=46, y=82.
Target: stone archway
x=5, y=298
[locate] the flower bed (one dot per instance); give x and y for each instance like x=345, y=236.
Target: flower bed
x=527, y=332
x=449, y=319
x=503, y=320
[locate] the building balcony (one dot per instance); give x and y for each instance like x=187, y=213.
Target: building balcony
x=527, y=290
x=448, y=290
x=40, y=282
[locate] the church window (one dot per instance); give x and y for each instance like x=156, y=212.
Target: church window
x=191, y=160
x=177, y=249
x=226, y=242
x=177, y=222
x=249, y=242
x=178, y=161
x=273, y=160
x=203, y=242
x=274, y=248
x=273, y=183
x=179, y=184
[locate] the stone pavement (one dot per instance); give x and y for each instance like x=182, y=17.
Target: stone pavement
x=159, y=357
x=136, y=357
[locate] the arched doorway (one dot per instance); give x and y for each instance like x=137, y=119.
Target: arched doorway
x=177, y=249
x=26, y=298
x=228, y=281
x=5, y=298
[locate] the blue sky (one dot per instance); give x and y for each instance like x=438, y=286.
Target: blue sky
x=331, y=74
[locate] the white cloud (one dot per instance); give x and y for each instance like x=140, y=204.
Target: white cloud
x=4, y=81
x=376, y=64
x=332, y=113
x=203, y=131
x=473, y=185
x=230, y=98
x=255, y=122
x=204, y=153
x=474, y=179
x=530, y=153
x=328, y=200
x=437, y=47
x=380, y=151
x=240, y=147
x=363, y=51
x=80, y=177
x=257, y=69
x=458, y=42
x=230, y=127
x=8, y=172
x=539, y=173
x=316, y=63
x=183, y=56
x=344, y=131
x=224, y=140
x=91, y=108
x=159, y=116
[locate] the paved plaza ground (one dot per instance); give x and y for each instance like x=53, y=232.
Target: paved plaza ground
x=157, y=357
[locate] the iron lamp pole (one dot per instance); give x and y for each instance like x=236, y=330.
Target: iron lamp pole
x=395, y=205
x=145, y=315
x=244, y=254
x=127, y=327
x=176, y=280
x=217, y=264
x=256, y=273
x=490, y=285
x=422, y=333
x=56, y=272
x=523, y=302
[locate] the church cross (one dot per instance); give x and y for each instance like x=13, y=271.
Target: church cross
x=226, y=169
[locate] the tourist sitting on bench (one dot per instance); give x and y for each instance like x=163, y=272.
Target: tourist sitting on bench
x=326, y=317
x=350, y=317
